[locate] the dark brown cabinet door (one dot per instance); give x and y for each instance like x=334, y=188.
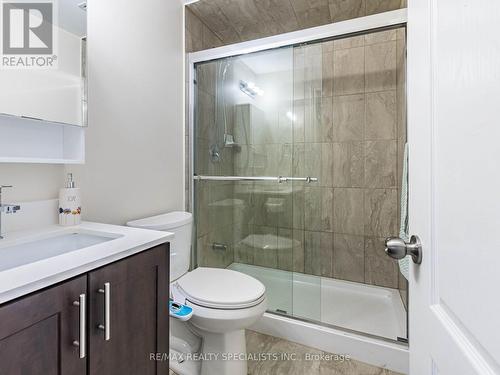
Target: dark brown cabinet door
x=37, y=332
x=137, y=288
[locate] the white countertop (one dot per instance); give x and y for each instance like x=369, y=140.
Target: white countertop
x=27, y=278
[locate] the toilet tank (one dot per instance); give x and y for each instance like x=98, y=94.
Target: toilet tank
x=180, y=223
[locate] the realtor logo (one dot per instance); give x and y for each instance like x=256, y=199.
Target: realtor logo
x=28, y=34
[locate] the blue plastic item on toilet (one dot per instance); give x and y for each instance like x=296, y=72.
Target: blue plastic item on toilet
x=179, y=311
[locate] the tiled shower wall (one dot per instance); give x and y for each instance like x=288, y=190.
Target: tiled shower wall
x=223, y=22
x=348, y=130
x=350, y=95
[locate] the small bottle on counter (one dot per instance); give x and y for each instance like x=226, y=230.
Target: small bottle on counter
x=69, y=203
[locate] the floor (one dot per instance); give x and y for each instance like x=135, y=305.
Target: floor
x=305, y=361
x=365, y=308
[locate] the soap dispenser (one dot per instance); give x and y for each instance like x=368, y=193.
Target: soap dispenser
x=70, y=203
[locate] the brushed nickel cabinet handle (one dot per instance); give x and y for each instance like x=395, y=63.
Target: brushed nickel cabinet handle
x=81, y=342
x=106, y=327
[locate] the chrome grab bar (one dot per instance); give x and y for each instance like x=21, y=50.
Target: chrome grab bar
x=278, y=179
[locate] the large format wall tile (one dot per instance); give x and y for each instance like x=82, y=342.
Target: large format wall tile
x=291, y=249
x=206, y=115
x=348, y=257
x=209, y=257
x=381, y=37
x=312, y=253
x=265, y=250
x=341, y=10
x=202, y=199
x=298, y=202
x=318, y=253
x=379, y=6
x=348, y=117
x=311, y=13
x=327, y=165
x=312, y=161
x=326, y=124
x=318, y=209
x=230, y=21
x=379, y=268
x=349, y=42
x=318, y=120
x=216, y=20
x=327, y=65
x=349, y=71
x=243, y=247
x=380, y=115
x=348, y=211
x=380, y=67
x=348, y=164
x=298, y=250
x=380, y=164
x=380, y=214
x=312, y=209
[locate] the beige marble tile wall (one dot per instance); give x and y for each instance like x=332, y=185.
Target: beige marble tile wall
x=349, y=131
x=198, y=35
x=357, y=132
x=232, y=21
x=353, y=133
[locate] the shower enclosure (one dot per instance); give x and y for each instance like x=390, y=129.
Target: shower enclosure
x=297, y=160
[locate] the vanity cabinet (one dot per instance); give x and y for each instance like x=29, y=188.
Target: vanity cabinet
x=138, y=315
x=37, y=332
x=124, y=316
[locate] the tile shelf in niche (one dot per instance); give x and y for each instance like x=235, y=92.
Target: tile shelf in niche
x=26, y=140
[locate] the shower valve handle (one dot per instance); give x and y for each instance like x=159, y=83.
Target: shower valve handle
x=397, y=248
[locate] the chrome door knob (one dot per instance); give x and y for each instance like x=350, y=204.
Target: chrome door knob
x=397, y=248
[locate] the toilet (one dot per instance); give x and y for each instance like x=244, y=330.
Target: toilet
x=224, y=302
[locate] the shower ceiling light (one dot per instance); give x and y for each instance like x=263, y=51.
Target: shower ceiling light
x=251, y=89
x=291, y=116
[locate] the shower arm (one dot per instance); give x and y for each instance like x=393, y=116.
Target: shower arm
x=279, y=179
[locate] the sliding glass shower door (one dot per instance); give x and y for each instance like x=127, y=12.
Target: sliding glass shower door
x=245, y=187
x=298, y=162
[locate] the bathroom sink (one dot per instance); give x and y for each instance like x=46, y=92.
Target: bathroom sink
x=32, y=251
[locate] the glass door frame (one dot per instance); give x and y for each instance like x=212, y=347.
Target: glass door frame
x=338, y=30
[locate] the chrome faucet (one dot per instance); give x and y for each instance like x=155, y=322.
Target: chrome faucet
x=6, y=208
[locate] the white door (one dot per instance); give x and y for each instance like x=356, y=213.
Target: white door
x=454, y=140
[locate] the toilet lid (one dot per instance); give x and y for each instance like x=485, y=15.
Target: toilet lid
x=221, y=288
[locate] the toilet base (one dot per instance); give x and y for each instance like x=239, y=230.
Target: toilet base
x=224, y=353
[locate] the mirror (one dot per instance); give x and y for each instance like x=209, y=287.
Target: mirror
x=43, y=61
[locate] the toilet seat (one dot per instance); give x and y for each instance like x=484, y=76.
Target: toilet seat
x=220, y=288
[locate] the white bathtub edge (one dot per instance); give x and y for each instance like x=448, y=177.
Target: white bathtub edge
x=375, y=352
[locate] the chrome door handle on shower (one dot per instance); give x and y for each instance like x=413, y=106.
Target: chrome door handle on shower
x=106, y=327
x=81, y=343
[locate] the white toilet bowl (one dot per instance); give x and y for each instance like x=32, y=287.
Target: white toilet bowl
x=224, y=303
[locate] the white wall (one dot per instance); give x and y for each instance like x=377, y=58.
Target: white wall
x=31, y=181
x=134, y=163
